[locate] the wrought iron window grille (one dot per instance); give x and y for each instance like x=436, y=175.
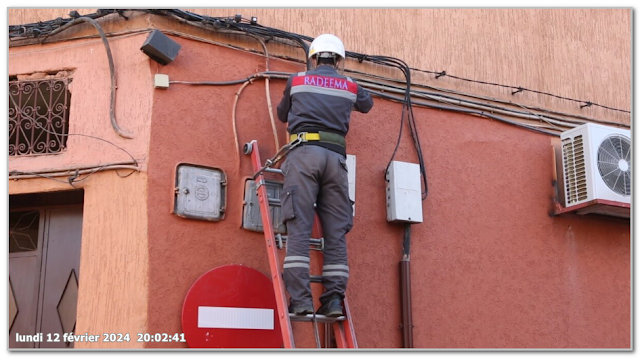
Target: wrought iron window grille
x=38, y=115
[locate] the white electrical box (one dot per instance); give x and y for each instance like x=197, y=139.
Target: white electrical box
x=161, y=81
x=404, y=194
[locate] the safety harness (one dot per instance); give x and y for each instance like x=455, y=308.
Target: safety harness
x=299, y=138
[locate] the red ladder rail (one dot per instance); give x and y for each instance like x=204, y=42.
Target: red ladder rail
x=269, y=236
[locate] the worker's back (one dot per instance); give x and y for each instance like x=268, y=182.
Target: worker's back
x=321, y=99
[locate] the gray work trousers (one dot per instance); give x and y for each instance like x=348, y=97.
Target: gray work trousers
x=314, y=174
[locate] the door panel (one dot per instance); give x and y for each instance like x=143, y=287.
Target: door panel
x=60, y=281
x=25, y=255
x=24, y=274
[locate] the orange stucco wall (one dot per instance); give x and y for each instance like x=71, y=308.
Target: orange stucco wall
x=112, y=296
x=490, y=268
x=89, y=114
x=113, y=259
x=578, y=53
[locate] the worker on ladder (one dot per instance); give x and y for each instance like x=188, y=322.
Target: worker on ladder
x=317, y=105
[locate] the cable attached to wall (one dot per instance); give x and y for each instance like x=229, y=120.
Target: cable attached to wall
x=112, y=70
x=90, y=171
x=239, y=24
x=519, y=89
x=407, y=109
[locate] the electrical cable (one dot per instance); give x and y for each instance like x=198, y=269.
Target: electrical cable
x=267, y=92
x=112, y=71
x=36, y=175
x=407, y=111
x=466, y=111
x=233, y=119
x=285, y=75
x=39, y=126
x=216, y=23
x=519, y=89
x=394, y=62
x=17, y=174
x=467, y=103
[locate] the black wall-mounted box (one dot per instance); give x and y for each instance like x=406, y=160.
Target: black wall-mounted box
x=160, y=47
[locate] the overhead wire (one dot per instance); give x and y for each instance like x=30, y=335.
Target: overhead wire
x=379, y=89
x=255, y=31
x=462, y=110
x=244, y=25
x=462, y=102
x=520, y=89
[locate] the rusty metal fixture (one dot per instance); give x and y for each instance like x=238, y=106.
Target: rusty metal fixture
x=38, y=116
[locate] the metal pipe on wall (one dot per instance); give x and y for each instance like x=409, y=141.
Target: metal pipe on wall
x=405, y=287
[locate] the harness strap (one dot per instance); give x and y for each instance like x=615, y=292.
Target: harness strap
x=320, y=136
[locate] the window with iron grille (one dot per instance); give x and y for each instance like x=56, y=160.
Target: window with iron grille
x=38, y=113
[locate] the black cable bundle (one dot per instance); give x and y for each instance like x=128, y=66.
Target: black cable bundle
x=407, y=108
x=44, y=28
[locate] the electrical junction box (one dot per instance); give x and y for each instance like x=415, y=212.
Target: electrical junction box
x=200, y=193
x=251, y=217
x=160, y=80
x=404, y=194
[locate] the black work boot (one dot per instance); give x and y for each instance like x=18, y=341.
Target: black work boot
x=302, y=309
x=332, y=307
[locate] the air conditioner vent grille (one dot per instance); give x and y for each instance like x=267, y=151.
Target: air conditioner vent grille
x=614, y=163
x=575, y=176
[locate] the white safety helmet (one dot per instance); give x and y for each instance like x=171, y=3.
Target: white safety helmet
x=327, y=43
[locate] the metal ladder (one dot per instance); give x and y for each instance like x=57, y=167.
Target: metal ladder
x=343, y=331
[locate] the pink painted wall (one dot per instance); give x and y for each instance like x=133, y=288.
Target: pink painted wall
x=113, y=260
x=573, y=53
x=490, y=268
x=90, y=100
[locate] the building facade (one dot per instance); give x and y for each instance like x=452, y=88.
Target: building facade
x=492, y=267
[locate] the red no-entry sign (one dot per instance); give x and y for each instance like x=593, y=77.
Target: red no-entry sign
x=231, y=306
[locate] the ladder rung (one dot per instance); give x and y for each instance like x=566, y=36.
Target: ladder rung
x=318, y=318
x=314, y=244
x=274, y=202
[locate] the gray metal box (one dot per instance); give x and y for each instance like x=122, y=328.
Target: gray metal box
x=404, y=194
x=160, y=47
x=200, y=193
x=251, y=219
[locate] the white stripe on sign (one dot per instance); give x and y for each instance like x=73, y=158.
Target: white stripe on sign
x=234, y=317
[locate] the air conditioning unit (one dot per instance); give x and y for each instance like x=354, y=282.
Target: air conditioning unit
x=596, y=161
